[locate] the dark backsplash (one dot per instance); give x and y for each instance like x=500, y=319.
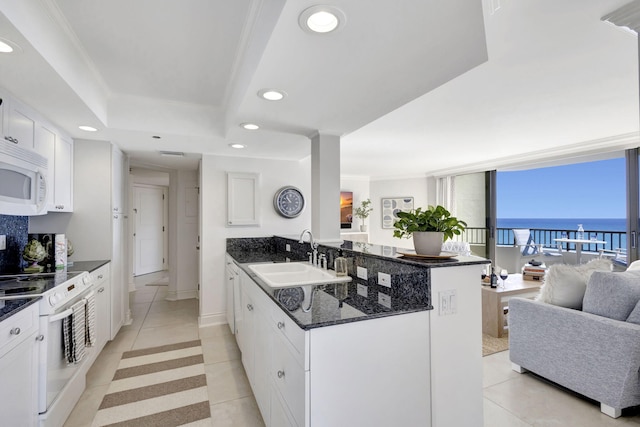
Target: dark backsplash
x=16, y=229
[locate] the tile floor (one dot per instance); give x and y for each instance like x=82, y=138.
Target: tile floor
x=510, y=399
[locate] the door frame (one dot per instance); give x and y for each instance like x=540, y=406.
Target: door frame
x=165, y=224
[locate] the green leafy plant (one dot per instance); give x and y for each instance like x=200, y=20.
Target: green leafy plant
x=364, y=209
x=434, y=218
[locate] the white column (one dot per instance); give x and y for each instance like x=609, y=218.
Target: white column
x=325, y=187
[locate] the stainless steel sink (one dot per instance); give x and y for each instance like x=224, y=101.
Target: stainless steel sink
x=282, y=275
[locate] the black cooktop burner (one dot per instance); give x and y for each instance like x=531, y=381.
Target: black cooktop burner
x=34, y=284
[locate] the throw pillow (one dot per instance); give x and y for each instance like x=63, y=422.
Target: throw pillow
x=612, y=295
x=565, y=284
x=635, y=265
x=634, y=317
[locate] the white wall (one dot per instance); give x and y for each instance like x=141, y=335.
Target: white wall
x=274, y=174
x=148, y=176
x=418, y=188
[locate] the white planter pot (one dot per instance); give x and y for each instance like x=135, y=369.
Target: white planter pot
x=428, y=242
x=363, y=227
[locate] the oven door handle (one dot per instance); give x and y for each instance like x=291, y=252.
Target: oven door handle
x=62, y=315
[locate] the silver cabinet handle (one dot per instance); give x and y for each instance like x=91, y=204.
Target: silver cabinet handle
x=100, y=276
x=101, y=290
x=249, y=307
x=40, y=338
x=15, y=331
x=280, y=374
x=280, y=325
x=231, y=278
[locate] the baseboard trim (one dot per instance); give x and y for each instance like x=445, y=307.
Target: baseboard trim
x=212, y=319
x=178, y=295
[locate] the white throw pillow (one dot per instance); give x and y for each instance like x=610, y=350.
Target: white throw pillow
x=565, y=284
x=635, y=265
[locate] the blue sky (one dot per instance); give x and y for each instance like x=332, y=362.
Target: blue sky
x=581, y=190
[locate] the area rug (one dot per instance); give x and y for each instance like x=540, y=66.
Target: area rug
x=161, y=282
x=492, y=345
x=161, y=386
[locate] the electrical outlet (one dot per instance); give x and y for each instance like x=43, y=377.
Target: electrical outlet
x=3, y=242
x=287, y=247
x=448, y=302
x=384, y=299
x=384, y=279
x=362, y=290
x=361, y=272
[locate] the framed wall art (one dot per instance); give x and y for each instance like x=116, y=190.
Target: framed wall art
x=390, y=208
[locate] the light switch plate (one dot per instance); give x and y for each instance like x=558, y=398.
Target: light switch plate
x=287, y=247
x=362, y=290
x=448, y=302
x=361, y=272
x=384, y=299
x=3, y=242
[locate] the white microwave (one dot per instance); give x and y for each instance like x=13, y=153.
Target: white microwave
x=23, y=183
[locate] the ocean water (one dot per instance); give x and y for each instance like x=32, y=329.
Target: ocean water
x=568, y=224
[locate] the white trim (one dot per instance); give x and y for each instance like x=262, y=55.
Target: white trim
x=212, y=320
x=179, y=295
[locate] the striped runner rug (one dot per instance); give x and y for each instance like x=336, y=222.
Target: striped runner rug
x=161, y=386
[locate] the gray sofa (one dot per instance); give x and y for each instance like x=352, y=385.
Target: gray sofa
x=596, y=355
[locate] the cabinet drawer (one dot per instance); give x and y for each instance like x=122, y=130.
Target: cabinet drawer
x=17, y=327
x=289, y=378
x=290, y=331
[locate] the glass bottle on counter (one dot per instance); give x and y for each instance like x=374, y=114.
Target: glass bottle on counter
x=494, y=278
x=580, y=232
x=340, y=264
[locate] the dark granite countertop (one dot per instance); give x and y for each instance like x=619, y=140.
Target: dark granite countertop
x=12, y=307
x=87, y=265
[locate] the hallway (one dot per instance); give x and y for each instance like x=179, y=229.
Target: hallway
x=157, y=322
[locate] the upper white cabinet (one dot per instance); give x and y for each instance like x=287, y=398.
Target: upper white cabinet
x=243, y=207
x=19, y=123
x=63, y=173
x=45, y=145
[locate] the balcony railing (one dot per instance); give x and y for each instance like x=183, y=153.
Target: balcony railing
x=504, y=236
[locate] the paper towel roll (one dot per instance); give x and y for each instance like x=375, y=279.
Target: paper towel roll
x=61, y=252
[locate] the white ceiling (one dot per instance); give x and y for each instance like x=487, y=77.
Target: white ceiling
x=413, y=87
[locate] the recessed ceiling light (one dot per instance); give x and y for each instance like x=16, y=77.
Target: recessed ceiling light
x=321, y=19
x=237, y=146
x=271, y=94
x=250, y=126
x=7, y=46
x=156, y=137
x=87, y=128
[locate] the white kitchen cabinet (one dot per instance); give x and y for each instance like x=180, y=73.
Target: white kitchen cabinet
x=119, y=288
x=45, y=145
x=102, y=279
x=243, y=199
x=19, y=123
x=63, y=174
x=335, y=375
x=19, y=367
x=233, y=282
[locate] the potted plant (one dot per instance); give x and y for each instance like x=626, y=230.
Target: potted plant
x=363, y=212
x=429, y=228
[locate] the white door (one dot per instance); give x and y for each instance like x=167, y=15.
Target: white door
x=150, y=229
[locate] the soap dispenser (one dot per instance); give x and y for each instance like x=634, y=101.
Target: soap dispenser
x=340, y=264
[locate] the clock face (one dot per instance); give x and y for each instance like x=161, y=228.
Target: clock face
x=289, y=202
x=290, y=298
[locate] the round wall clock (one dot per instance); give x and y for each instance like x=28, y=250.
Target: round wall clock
x=289, y=202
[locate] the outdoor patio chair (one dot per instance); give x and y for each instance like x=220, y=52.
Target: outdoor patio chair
x=617, y=256
x=530, y=249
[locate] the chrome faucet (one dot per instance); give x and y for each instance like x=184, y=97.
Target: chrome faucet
x=314, y=246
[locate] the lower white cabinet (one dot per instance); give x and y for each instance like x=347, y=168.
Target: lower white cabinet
x=19, y=367
x=374, y=372
x=102, y=280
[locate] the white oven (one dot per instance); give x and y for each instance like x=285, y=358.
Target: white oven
x=23, y=185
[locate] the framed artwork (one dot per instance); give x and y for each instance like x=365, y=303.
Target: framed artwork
x=346, y=209
x=390, y=208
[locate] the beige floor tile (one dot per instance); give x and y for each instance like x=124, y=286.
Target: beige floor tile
x=102, y=370
x=161, y=304
x=227, y=381
x=220, y=349
x=497, y=368
x=496, y=416
x=543, y=405
x=140, y=296
x=237, y=413
x=87, y=407
x=122, y=342
x=153, y=337
x=174, y=317
x=215, y=331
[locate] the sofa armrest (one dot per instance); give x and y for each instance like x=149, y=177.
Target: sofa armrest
x=593, y=355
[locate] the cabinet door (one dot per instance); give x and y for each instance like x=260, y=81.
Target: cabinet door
x=117, y=284
x=230, y=280
x=103, y=306
x=45, y=145
x=243, y=207
x=20, y=125
x=63, y=191
x=247, y=335
x=18, y=394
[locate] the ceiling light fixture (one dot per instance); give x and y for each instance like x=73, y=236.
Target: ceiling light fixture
x=156, y=137
x=250, y=126
x=237, y=145
x=171, y=153
x=87, y=128
x=7, y=46
x=321, y=19
x=271, y=94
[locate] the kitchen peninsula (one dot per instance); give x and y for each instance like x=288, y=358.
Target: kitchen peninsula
x=398, y=345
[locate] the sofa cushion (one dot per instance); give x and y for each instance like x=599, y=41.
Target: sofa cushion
x=634, y=317
x=612, y=295
x=564, y=284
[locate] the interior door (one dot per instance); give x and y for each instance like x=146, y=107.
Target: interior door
x=150, y=229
